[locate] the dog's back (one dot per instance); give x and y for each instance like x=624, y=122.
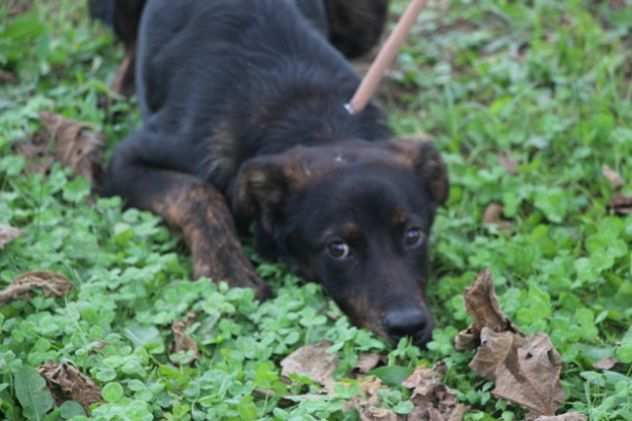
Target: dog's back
x=229, y=42
x=227, y=74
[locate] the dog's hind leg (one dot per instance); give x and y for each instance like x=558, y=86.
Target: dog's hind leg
x=187, y=203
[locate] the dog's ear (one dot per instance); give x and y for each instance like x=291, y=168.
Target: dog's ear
x=260, y=188
x=424, y=157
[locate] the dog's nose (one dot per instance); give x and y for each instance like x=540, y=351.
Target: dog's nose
x=407, y=322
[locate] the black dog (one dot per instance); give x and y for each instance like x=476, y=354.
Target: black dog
x=243, y=117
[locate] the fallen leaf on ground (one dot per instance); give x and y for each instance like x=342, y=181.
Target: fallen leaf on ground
x=605, y=363
x=482, y=305
x=67, y=382
x=312, y=361
x=495, y=349
x=368, y=361
x=53, y=285
x=570, y=416
x=182, y=341
x=509, y=164
x=432, y=399
x=7, y=77
x=493, y=216
x=37, y=152
x=73, y=144
x=525, y=370
x=616, y=181
x=621, y=205
x=8, y=234
x=368, y=403
x=77, y=145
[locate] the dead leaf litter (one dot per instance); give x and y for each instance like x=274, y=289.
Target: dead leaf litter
x=432, y=399
x=312, y=361
x=182, y=342
x=52, y=284
x=525, y=369
x=72, y=143
x=67, y=382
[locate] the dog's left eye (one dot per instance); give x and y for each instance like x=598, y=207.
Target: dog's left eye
x=413, y=237
x=338, y=249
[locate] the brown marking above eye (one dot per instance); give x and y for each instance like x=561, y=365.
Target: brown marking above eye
x=400, y=216
x=351, y=231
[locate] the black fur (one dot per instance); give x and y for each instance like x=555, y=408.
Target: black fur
x=248, y=96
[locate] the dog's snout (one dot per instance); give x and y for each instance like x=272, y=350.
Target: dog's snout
x=406, y=322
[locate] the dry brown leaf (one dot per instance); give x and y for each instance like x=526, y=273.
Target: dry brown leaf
x=76, y=145
x=7, y=77
x=497, y=348
x=367, y=361
x=67, y=382
x=312, y=361
x=431, y=414
x=432, y=399
x=52, y=284
x=621, y=205
x=615, y=179
x=482, y=305
x=367, y=403
x=509, y=164
x=466, y=339
x=570, y=416
x=458, y=413
x=8, y=234
x=73, y=144
x=605, y=363
x=526, y=370
x=182, y=341
x=378, y=414
x=37, y=152
x=493, y=216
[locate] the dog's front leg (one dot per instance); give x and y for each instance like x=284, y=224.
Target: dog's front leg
x=188, y=204
x=201, y=213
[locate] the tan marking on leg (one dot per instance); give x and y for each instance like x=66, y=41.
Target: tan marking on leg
x=207, y=226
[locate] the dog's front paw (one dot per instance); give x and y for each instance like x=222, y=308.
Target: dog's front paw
x=237, y=274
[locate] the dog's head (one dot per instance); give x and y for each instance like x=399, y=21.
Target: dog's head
x=356, y=217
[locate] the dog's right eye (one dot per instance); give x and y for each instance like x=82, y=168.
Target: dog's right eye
x=338, y=249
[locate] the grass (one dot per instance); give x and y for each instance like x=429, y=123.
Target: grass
x=545, y=84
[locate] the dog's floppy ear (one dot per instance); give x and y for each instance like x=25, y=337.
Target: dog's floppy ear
x=424, y=157
x=260, y=188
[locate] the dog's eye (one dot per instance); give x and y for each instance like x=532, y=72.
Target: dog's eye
x=338, y=249
x=413, y=237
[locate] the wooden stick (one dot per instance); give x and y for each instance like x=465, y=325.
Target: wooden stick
x=385, y=57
